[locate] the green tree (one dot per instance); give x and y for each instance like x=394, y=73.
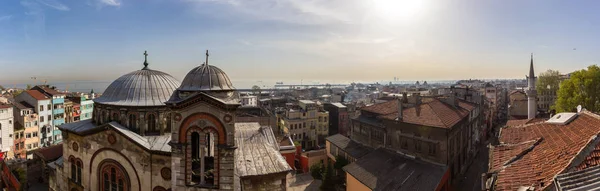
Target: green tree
x=316, y=171
x=548, y=80
x=28, y=87
x=328, y=178
x=582, y=88
x=256, y=89
x=340, y=162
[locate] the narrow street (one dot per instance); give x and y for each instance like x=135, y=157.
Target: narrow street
x=472, y=178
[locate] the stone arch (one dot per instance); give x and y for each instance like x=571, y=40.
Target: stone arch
x=187, y=124
x=110, y=163
x=130, y=168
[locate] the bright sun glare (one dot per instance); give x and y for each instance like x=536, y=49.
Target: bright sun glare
x=398, y=10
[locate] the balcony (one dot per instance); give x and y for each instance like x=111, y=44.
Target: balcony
x=58, y=111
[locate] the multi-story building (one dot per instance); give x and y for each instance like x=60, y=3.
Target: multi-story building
x=27, y=119
x=58, y=112
x=338, y=118
x=6, y=130
x=82, y=107
x=43, y=107
x=72, y=111
x=301, y=120
x=436, y=129
x=517, y=108
x=18, y=147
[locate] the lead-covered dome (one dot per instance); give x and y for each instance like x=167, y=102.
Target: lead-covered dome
x=144, y=87
x=206, y=78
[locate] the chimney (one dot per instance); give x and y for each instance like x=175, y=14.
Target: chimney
x=418, y=105
x=400, y=109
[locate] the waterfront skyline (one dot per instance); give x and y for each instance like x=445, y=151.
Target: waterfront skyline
x=99, y=40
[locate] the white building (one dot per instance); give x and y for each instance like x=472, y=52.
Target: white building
x=6, y=128
x=249, y=101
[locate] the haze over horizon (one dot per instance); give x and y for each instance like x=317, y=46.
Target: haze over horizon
x=289, y=40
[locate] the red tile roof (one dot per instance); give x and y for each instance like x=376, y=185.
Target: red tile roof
x=520, y=122
x=560, y=144
x=50, y=153
x=432, y=112
x=4, y=106
x=37, y=95
x=593, y=159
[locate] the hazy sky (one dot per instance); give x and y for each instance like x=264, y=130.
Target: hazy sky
x=62, y=40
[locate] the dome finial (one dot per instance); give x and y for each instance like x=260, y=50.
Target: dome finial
x=206, y=58
x=145, y=59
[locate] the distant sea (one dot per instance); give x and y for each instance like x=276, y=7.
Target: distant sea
x=100, y=86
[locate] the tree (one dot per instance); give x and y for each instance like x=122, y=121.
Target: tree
x=328, y=178
x=582, y=88
x=316, y=171
x=256, y=89
x=340, y=162
x=28, y=87
x=550, y=78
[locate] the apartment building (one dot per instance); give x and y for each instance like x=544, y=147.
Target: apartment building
x=6, y=130
x=305, y=122
x=42, y=105
x=26, y=135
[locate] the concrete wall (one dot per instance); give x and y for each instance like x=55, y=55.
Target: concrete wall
x=352, y=184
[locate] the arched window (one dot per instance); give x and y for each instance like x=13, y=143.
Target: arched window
x=152, y=123
x=115, y=117
x=113, y=178
x=203, y=150
x=76, y=166
x=105, y=117
x=133, y=123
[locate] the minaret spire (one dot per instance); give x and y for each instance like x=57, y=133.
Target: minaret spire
x=145, y=59
x=531, y=73
x=531, y=92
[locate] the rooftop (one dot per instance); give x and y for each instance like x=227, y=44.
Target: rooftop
x=383, y=169
x=533, y=154
x=432, y=112
x=520, y=122
x=22, y=105
x=258, y=151
x=353, y=148
x=50, y=153
x=306, y=102
x=37, y=95
x=586, y=179
x=339, y=105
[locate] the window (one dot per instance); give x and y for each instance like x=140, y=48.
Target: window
x=28, y=135
x=132, y=123
x=41, y=107
x=35, y=145
x=49, y=118
x=432, y=149
x=115, y=117
x=41, y=118
x=202, y=155
x=35, y=134
x=113, y=178
x=417, y=145
x=28, y=146
x=152, y=123
x=22, y=145
x=333, y=150
x=403, y=143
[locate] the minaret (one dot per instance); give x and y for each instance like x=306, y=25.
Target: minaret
x=531, y=92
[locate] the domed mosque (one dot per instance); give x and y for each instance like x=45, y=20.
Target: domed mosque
x=150, y=132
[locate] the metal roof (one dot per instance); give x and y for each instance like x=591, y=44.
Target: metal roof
x=143, y=87
x=258, y=151
x=383, y=169
x=206, y=77
x=586, y=179
x=352, y=148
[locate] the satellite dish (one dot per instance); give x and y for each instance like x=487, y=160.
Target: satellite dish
x=579, y=108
